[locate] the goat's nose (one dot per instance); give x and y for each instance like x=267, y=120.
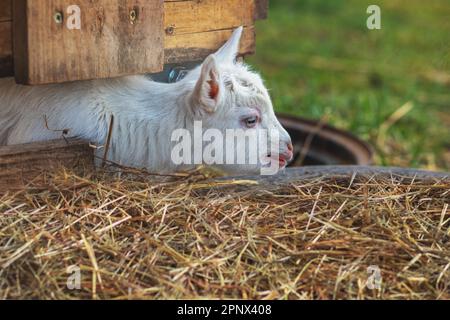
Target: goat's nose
x=289, y=153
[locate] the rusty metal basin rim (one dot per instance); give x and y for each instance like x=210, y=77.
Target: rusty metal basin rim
x=325, y=144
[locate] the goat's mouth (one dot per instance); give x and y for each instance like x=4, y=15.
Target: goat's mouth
x=281, y=160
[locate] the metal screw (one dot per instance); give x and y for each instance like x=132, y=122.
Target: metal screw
x=177, y=74
x=133, y=16
x=170, y=30
x=58, y=17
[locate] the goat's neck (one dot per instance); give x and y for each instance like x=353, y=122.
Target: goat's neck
x=145, y=115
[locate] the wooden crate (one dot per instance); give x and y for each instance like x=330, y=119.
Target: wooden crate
x=116, y=39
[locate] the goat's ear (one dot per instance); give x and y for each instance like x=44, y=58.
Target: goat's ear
x=230, y=50
x=209, y=87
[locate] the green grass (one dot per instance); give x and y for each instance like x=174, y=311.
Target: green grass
x=320, y=60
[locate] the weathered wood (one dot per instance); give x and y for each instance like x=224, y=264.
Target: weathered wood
x=197, y=46
x=193, y=16
x=5, y=10
x=192, y=29
x=262, y=9
x=295, y=175
x=6, y=62
x=110, y=41
x=21, y=164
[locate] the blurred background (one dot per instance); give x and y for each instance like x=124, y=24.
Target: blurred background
x=390, y=87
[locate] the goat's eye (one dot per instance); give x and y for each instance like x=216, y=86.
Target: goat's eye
x=251, y=122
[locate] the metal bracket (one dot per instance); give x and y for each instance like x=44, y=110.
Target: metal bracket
x=173, y=72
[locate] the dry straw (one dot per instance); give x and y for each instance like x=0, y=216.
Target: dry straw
x=141, y=237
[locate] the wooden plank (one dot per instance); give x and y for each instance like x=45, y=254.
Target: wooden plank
x=108, y=44
x=262, y=9
x=21, y=164
x=6, y=63
x=197, y=46
x=5, y=10
x=295, y=174
x=195, y=29
x=187, y=17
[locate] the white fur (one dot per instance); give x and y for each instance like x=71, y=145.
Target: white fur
x=145, y=112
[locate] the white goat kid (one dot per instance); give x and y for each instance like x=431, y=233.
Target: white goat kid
x=222, y=93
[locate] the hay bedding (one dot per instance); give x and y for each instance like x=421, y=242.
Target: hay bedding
x=138, y=237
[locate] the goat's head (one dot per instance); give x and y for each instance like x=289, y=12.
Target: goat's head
x=228, y=95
